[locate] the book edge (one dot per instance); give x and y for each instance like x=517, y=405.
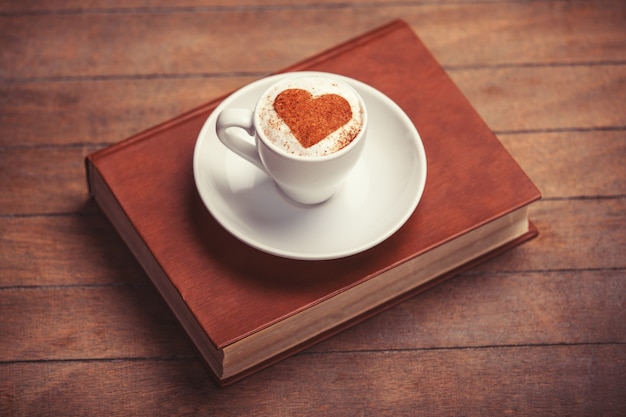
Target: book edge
x=529, y=235
x=387, y=284
x=109, y=205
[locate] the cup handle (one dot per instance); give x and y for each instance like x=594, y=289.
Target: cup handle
x=229, y=126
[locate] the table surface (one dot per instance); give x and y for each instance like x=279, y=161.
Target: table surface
x=540, y=330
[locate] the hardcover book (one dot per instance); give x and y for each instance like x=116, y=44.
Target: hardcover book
x=243, y=308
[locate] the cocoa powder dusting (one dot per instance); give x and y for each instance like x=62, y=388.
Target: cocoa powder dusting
x=311, y=119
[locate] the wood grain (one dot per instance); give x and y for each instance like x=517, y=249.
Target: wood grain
x=572, y=164
x=431, y=382
x=61, y=250
x=546, y=99
x=515, y=99
x=81, y=112
x=537, y=331
x=95, y=322
x=563, y=164
x=212, y=41
x=567, y=224
x=43, y=180
x=75, y=6
x=473, y=310
x=66, y=250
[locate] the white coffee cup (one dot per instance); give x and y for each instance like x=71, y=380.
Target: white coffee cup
x=305, y=179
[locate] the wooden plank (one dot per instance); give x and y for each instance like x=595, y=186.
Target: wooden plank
x=537, y=331
x=89, y=322
x=571, y=237
x=144, y=42
x=102, y=6
x=99, y=111
x=547, y=98
x=572, y=163
x=105, y=111
x=489, y=381
x=64, y=250
x=520, y=33
x=563, y=164
x=45, y=180
x=473, y=310
x=91, y=45
x=499, y=309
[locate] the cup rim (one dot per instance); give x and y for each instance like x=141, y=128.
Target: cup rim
x=333, y=155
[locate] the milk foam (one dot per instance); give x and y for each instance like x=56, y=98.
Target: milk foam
x=278, y=132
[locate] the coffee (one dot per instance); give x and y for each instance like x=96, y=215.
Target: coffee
x=301, y=118
x=310, y=115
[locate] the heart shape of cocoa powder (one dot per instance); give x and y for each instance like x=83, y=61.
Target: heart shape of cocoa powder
x=309, y=118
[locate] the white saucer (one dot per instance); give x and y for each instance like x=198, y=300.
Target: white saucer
x=377, y=198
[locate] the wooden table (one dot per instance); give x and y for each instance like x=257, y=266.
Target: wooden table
x=540, y=330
